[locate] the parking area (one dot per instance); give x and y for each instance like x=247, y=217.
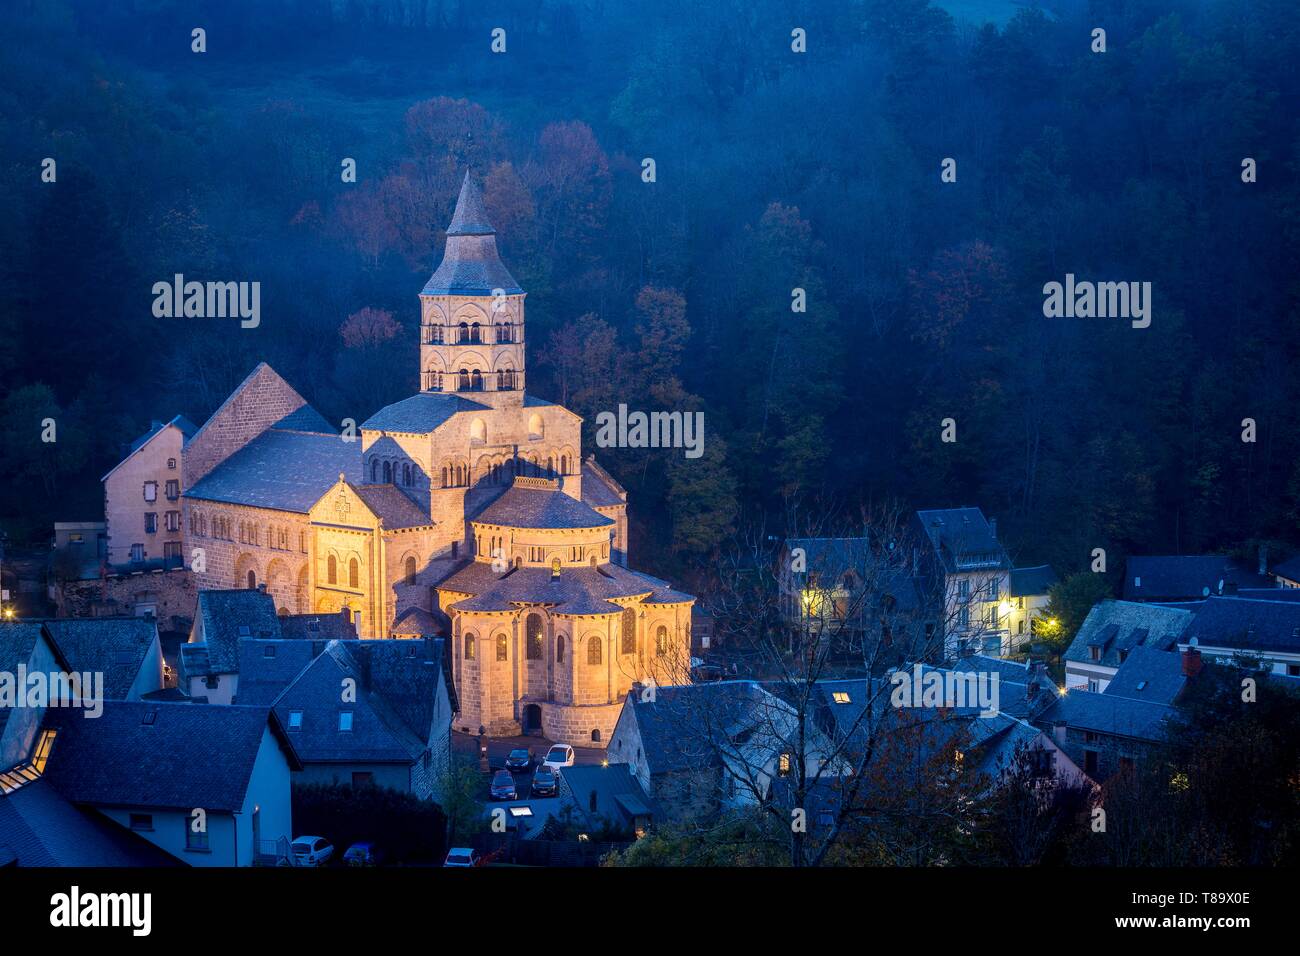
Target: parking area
x=499, y=748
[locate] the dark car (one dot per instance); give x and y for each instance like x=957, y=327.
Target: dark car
x=546, y=782
x=503, y=786
x=519, y=760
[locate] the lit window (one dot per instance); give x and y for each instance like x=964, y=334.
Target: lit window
x=42, y=753
x=841, y=697
x=295, y=720
x=783, y=766
x=521, y=811
x=345, y=720
x=141, y=821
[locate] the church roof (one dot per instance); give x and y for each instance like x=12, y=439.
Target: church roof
x=390, y=504
x=282, y=470
x=599, y=489
x=584, y=590
x=470, y=263
x=306, y=419
x=526, y=506
x=419, y=414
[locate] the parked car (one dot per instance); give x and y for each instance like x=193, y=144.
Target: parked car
x=362, y=854
x=462, y=856
x=503, y=786
x=560, y=755
x=546, y=782
x=519, y=760
x=312, y=851
x=706, y=673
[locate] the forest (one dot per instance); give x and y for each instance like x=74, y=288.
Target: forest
x=774, y=171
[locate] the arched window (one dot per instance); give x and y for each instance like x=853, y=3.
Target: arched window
x=252, y=579
x=406, y=474
x=474, y=333
x=533, y=636
x=555, y=567
x=470, y=640
x=354, y=573
x=593, y=650
x=388, y=473
x=464, y=332
x=595, y=736
x=464, y=380
x=629, y=629
x=559, y=649
x=503, y=648
x=476, y=381
x=410, y=570
x=661, y=641
x=444, y=477
x=564, y=464
x=550, y=466
x=501, y=380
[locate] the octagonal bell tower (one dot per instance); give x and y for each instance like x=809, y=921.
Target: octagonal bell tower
x=472, y=314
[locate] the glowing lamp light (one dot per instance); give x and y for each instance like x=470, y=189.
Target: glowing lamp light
x=1004, y=608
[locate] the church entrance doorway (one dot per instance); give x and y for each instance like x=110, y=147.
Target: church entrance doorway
x=532, y=719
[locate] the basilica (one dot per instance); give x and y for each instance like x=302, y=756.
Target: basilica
x=467, y=509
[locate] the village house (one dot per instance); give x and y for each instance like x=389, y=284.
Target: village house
x=1109, y=634
x=1191, y=577
x=142, y=497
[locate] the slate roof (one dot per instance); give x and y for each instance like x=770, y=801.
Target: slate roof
x=417, y=621
x=1026, y=582
x=267, y=667
x=317, y=627
x=470, y=262
x=391, y=505
x=963, y=533
x=521, y=506
x=39, y=827
x=724, y=707
x=229, y=615
x=1184, y=577
x=1149, y=674
x=282, y=470
x=392, y=716
x=619, y=796
x=187, y=756
x=582, y=590
x=187, y=428
x=113, y=646
x=599, y=489
x=420, y=414
x=1014, y=680
x=1116, y=626
x=1111, y=714
x=1246, y=625
x=306, y=419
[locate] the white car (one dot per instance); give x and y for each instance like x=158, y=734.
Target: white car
x=560, y=755
x=312, y=851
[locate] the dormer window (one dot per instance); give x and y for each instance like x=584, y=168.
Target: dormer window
x=345, y=721
x=1094, y=653
x=295, y=720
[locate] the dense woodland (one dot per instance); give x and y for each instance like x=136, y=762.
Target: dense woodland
x=775, y=170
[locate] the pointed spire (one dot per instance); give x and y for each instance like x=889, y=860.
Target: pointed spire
x=470, y=217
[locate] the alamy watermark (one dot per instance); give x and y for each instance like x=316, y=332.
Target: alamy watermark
x=208, y=300
x=953, y=690
x=626, y=429
x=39, y=689
x=1098, y=300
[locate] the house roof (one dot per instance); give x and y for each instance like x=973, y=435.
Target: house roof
x=676, y=727
x=1111, y=714
x=113, y=646
x=187, y=429
x=962, y=539
x=392, y=716
x=618, y=796
x=1026, y=582
x=155, y=754
x=1149, y=674
x=227, y=616
x=1115, y=626
x=420, y=414
x=282, y=470
x=18, y=641
x=1187, y=576
x=39, y=827
x=267, y=667
x=1246, y=625
x=470, y=262
x=1289, y=569
x=392, y=506
x=317, y=627
x=528, y=505
x=417, y=621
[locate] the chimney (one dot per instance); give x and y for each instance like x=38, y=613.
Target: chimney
x=1263, y=560
x=262, y=587
x=1191, y=662
x=993, y=528
x=1058, y=731
x=1031, y=691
